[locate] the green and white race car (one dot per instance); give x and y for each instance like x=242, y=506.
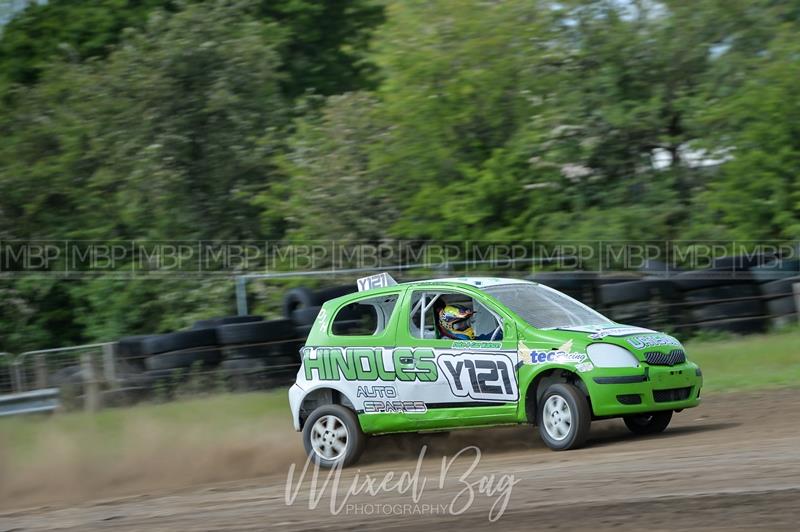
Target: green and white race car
x=454, y=353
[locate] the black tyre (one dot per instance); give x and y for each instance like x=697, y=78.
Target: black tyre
x=225, y=320
x=698, y=279
x=255, y=333
x=305, y=316
x=658, y=268
x=578, y=285
x=130, y=347
x=740, y=262
x=298, y=298
x=754, y=324
x=730, y=309
x=332, y=436
x=138, y=346
x=283, y=363
x=783, y=287
x=626, y=311
x=251, y=351
x=775, y=270
x=564, y=417
x=183, y=359
x=718, y=294
x=302, y=332
x=243, y=365
x=781, y=306
x=267, y=351
x=635, y=291
x=651, y=423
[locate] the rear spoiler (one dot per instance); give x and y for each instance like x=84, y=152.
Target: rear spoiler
x=379, y=280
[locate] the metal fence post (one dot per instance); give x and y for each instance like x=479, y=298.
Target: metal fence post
x=110, y=365
x=40, y=369
x=91, y=389
x=241, y=295
x=16, y=376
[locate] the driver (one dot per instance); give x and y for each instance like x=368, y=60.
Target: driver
x=455, y=322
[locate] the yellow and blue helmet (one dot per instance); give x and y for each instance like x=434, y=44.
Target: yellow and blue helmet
x=455, y=321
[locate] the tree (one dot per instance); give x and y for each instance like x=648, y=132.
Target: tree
x=757, y=192
x=343, y=195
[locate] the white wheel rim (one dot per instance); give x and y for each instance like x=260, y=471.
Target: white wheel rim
x=329, y=438
x=557, y=417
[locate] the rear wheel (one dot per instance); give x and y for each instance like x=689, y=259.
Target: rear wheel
x=564, y=417
x=651, y=423
x=333, y=437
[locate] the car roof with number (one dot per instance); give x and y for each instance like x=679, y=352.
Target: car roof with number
x=383, y=282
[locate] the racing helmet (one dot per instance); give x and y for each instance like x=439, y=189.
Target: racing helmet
x=455, y=321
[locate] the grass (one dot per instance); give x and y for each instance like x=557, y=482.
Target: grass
x=212, y=417
x=748, y=363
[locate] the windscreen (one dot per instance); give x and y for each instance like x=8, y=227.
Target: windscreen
x=544, y=307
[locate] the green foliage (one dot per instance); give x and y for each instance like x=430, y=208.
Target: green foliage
x=757, y=192
x=368, y=119
x=73, y=30
x=329, y=159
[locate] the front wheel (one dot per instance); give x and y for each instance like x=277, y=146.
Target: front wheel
x=651, y=423
x=564, y=417
x=333, y=437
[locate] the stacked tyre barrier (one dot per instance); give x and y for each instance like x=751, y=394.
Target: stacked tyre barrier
x=775, y=283
x=739, y=294
x=233, y=353
x=259, y=354
x=716, y=301
x=647, y=302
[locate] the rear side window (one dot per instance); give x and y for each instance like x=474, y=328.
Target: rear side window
x=366, y=317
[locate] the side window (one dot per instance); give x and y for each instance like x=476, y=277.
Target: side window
x=478, y=322
x=367, y=317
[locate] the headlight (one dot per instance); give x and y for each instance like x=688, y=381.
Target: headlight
x=611, y=356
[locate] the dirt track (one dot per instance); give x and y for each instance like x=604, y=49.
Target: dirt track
x=734, y=462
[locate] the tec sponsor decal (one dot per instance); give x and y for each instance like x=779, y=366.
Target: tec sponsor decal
x=480, y=376
x=543, y=357
x=560, y=355
x=369, y=364
x=651, y=340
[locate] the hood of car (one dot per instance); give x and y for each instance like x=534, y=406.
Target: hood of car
x=637, y=340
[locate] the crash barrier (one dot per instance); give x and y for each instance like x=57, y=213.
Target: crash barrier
x=35, y=402
x=244, y=353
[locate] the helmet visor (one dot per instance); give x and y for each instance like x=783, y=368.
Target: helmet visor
x=461, y=325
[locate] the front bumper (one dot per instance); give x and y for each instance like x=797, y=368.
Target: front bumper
x=617, y=391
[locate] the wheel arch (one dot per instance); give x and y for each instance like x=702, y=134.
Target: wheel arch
x=538, y=382
x=324, y=394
